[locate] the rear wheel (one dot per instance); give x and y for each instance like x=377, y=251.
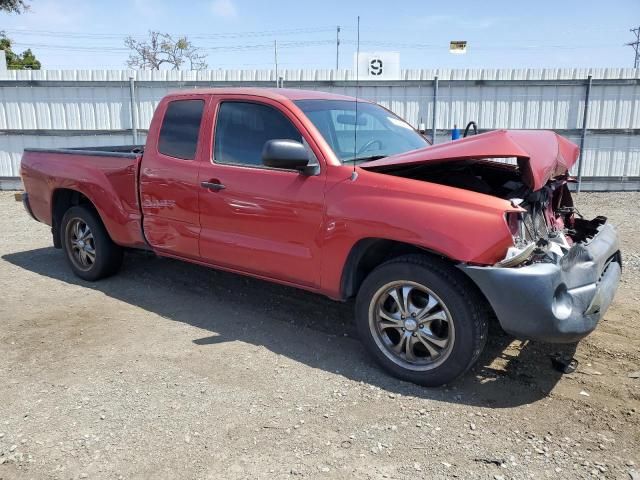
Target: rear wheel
x=421, y=319
x=90, y=251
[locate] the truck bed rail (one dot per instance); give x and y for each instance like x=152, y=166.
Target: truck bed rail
x=124, y=151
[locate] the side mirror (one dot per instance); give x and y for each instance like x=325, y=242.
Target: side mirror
x=287, y=154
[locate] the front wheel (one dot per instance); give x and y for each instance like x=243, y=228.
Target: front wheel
x=421, y=320
x=90, y=252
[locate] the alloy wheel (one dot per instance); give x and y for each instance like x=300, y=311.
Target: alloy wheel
x=81, y=244
x=411, y=325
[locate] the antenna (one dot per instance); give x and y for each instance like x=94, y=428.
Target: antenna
x=354, y=175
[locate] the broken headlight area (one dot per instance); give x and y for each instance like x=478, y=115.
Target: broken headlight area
x=545, y=250
x=547, y=227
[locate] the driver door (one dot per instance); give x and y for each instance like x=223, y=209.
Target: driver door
x=255, y=219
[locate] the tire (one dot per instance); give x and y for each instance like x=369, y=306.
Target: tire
x=438, y=325
x=91, y=253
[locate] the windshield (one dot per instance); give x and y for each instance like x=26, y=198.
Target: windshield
x=380, y=133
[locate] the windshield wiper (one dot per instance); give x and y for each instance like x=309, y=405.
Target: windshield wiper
x=365, y=159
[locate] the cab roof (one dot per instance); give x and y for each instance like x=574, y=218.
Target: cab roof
x=278, y=94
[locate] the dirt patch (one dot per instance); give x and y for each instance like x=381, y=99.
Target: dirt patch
x=170, y=370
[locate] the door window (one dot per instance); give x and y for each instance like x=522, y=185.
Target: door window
x=243, y=128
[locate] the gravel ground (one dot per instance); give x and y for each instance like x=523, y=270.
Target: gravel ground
x=170, y=370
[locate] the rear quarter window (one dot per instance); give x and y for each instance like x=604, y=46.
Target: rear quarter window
x=180, y=128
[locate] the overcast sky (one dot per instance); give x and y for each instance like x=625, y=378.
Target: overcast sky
x=240, y=33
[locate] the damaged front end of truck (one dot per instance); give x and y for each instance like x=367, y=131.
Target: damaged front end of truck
x=554, y=284
x=561, y=272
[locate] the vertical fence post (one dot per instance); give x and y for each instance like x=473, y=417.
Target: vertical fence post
x=584, y=130
x=435, y=108
x=275, y=61
x=134, y=110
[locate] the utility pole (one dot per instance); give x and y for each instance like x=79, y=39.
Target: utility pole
x=636, y=46
x=134, y=110
x=337, y=47
x=585, y=118
x=275, y=58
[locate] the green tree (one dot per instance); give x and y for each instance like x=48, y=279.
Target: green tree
x=13, y=6
x=25, y=61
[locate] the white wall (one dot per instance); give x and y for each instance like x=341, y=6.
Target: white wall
x=67, y=108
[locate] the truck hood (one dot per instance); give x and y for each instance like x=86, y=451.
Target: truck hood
x=541, y=155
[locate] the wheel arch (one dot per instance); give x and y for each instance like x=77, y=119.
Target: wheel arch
x=367, y=253
x=62, y=199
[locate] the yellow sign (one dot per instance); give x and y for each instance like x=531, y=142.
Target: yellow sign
x=458, y=46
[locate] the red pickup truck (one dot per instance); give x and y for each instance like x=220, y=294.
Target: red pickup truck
x=344, y=198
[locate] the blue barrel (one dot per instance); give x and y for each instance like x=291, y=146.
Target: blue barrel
x=455, y=133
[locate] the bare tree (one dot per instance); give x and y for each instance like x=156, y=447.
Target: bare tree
x=13, y=6
x=162, y=49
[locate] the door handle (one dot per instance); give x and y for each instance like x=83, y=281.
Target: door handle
x=213, y=185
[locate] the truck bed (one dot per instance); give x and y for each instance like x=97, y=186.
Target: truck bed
x=106, y=176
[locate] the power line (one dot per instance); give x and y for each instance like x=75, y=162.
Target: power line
x=223, y=48
x=431, y=46
x=296, y=31
x=108, y=36
x=235, y=35
x=109, y=44
x=636, y=46
x=301, y=44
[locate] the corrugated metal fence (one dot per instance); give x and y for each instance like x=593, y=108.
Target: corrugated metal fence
x=63, y=108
